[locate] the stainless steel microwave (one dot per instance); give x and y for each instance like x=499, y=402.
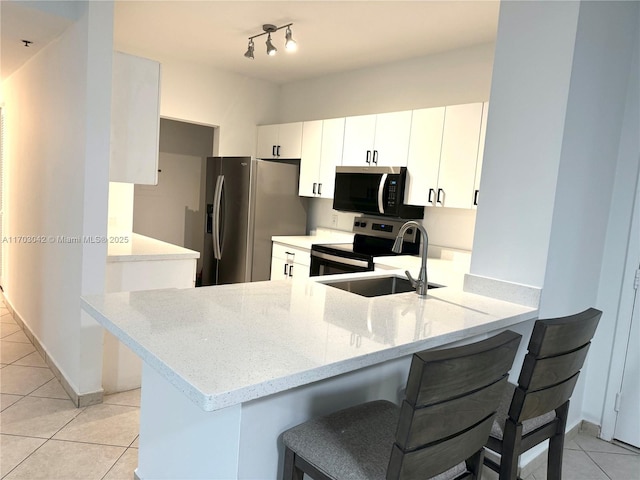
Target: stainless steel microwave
x=374, y=191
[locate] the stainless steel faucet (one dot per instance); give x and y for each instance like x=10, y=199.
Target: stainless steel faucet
x=420, y=283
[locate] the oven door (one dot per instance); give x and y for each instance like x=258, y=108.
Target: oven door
x=326, y=263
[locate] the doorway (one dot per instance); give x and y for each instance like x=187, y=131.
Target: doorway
x=172, y=210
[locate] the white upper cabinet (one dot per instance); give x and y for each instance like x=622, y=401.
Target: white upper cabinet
x=377, y=140
x=391, y=143
x=135, y=120
x=483, y=134
x=458, y=159
x=423, y=162
x=358, y=140
x=280, y=141
x=322, y=142
x=310, y=158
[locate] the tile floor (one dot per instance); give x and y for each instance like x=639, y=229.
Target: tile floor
x=44, y=436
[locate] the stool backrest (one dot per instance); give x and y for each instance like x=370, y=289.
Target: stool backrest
x=451, y=399
x=557, y=350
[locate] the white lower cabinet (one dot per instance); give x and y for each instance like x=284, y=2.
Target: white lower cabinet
x=321, y=153
x=289, y=262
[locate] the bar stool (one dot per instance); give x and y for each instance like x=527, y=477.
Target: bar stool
x=536, y=409
x=438, y=432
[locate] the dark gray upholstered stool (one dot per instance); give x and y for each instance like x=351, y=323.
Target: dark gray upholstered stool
x=438, y=432
x=536, y=409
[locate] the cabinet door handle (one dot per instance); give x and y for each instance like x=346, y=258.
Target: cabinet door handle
x=375, y=157
x=285, y=269
x=431, y=194
x=291, y=270
x=273, y=150
x=368, y=160
x=319, y=189
x=475, y=197
x=314, y=187
x=278, y=151
x=440, y=192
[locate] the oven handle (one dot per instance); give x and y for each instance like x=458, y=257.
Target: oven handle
x=343, y=260
x=383, y=181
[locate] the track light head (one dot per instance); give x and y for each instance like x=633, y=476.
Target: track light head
x=249, y=53
x=271, y=49
x=289, y=43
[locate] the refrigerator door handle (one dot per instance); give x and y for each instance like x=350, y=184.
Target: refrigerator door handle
x=217, y=200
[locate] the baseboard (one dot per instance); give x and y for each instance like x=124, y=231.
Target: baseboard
x=80, y=401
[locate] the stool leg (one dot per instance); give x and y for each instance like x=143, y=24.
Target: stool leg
x=556, y=445
x=510, y=450
x=290, y=471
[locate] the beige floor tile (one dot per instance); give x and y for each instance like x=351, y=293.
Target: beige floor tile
x=104, y=424
x=19, y=380
x=124, y=467
x=58, y=460
x=130, y=398
x=576, y=465
x=51, y=389
x=37, y=417
x=18, y=336
x=12, y=351
x=592, y=444
x=7, y=400
x=571, y=445
x=7, y=329
x=136, y=442
x=32, y=360
x=618, y=467
x=14, y=450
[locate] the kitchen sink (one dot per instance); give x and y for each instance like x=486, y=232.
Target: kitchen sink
x=375, y=287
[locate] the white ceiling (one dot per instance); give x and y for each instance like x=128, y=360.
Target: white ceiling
x=332, y=35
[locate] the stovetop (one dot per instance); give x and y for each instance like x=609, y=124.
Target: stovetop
x=374, y=238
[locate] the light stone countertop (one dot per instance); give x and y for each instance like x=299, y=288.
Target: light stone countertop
x=229, y=344
x=321, y=236
x=133, y=247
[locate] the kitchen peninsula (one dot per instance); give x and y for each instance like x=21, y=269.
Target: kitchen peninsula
x=228, y=368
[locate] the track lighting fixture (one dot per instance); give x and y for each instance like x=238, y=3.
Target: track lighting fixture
x=290, y=43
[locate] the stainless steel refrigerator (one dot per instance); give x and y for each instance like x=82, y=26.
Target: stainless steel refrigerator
x=247, y=202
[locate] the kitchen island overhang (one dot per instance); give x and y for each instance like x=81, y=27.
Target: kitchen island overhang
x=247, y=361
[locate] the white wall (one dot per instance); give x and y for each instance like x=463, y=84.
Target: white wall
x=459, y=76
x=201, y=94
x=615, y=292
x=58, y=117
x=557, y=105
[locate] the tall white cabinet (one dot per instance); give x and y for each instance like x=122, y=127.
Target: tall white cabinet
x=135, y=120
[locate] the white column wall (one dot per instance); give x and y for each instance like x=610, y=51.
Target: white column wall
x=58, y=117
x=616, y=293
x=560, y=83
x=529, y=90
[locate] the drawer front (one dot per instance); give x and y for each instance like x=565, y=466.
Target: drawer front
x=291, y=254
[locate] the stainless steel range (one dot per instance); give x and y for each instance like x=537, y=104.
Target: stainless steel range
x=374, y=237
